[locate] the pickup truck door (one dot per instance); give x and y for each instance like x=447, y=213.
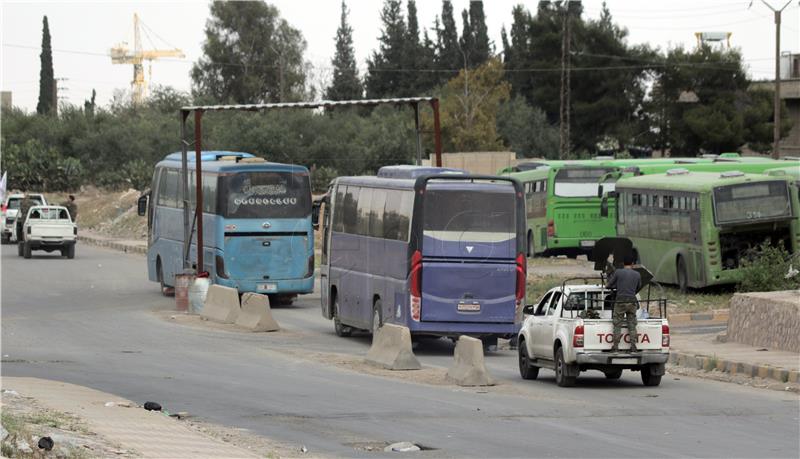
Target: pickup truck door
x=543, y=334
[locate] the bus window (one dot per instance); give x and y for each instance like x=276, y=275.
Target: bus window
x=350, y=209
x=260, y=194
x=751, y=201
x=397, y=216
x=362, y=211
x=338, y=217
x=448, y=214
x=168, y=188
x=376, y=213
x=580, y=182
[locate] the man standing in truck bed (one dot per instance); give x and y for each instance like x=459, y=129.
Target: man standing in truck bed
x=627, y=282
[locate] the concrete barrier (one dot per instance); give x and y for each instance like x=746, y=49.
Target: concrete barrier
x=255, y=314
x=222, y=304
x=469, y=368
x=391, y=349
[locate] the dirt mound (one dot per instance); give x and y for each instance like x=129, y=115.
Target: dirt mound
x=112, y=213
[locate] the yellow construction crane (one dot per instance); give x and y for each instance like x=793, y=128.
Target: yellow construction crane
x=120, y=54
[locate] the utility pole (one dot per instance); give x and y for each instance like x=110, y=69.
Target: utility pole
x=565, y=83
x=777, y=117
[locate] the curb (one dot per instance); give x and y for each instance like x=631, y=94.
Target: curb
x=718, y=315
x=112, y=244
x=710, y=363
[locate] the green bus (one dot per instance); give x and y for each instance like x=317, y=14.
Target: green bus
x=563, y=209
x=693, y=228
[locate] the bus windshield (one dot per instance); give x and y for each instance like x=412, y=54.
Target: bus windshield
x=580, y=182
x=751, y=201
x=488, y=216
x=265, y=194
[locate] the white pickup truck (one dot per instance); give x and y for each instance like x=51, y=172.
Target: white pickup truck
x=570, y=330
x=48, y=228
x=9, y=211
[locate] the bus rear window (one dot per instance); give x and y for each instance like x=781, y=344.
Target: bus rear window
x=580, y=182
x=450, y=213
x=751, y=201
x=265, y=194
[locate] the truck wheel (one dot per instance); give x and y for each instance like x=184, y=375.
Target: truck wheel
x=613, y=374
x=341, y=329
x=683, y=277
x=5, y=239
x=26, y=250
x=561, y=367
x=526, y=370
x=649, y=379
x=71, y=251
x=19, y=249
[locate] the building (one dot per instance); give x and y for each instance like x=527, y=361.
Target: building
x=790, y=95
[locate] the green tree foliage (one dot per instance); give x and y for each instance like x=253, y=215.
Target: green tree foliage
x=608, y=79
x=346, y=84
x=474, y=42
x=448, y=54
x=526, y=131
x=250, y=55
x=34, y=166
x=469, y=106
x=384, y=68
x=47, y=103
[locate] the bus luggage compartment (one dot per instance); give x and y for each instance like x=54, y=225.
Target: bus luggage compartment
x=468, y=291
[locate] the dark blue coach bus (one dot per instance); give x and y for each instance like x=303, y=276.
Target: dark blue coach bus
x=438, y=251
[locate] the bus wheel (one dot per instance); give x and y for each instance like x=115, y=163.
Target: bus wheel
x=341, y=329
x=160, y=276
x=683, y=277
x=376, y=316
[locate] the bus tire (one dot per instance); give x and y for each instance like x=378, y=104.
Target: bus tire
x=561, y=366
x=683, y=276
x=377, y=320
x=160, y=276
x=531, y=248
x=341, y=329
x=526, y=370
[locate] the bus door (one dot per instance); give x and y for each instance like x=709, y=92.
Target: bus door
x=468, y=253
x=324, y=205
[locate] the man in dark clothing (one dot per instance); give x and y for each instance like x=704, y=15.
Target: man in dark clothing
x=627, y=282
x=71, y=207
x=22, y=215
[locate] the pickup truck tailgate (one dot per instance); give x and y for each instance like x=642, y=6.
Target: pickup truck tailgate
x=52, y=230
x=599, y=335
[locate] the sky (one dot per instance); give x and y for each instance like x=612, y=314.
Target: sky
x=83, y=32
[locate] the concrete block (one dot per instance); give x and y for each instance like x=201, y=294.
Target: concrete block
x=794, y=376
x=747, y=369
x=391, y=349
x=762, y=371
x=222, y=304
x=779, y=374
x=255, y=314
x=469, y=368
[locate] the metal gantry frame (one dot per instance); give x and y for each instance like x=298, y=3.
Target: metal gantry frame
x=198, y=111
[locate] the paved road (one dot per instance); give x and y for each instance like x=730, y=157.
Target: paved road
x=93, y=321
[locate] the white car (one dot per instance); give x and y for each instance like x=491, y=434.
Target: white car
x=9, y=213
x=570, y=330
x=48, y=228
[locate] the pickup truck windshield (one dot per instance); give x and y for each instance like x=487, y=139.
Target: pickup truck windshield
x=49, y=214
x=580, y=301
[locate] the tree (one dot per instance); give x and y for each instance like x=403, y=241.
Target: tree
x=759, y=119
x=384, y=75
x=481, y=49
x=89, y=105
x=346, y=84
x=47, y=94
x=448, y=54
x=250, y=55
x=469, y=107
x=526, y=131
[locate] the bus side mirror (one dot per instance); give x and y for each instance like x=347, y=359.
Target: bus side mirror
x=527, y=310
x=604, y=207
x=315, y=214
x=600, y=191
x=141, y=205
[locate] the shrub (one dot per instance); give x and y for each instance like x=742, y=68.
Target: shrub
x=321, y=177
x=768, y=268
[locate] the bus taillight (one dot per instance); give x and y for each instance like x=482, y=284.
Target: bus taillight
x=551, y=228
x=521, y=276
x=415, y=284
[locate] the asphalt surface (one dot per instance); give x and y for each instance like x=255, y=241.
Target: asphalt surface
x=94, y=321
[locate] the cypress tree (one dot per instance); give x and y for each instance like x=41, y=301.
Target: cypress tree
x=384, y=78
x=47, y=101
x=481, y=47
x=449, y=56
x=346, y=84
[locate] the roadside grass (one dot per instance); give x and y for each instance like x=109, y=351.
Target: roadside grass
x=30, y=426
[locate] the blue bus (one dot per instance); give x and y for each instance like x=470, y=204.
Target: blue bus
x=257, y=229
x=440, y=252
